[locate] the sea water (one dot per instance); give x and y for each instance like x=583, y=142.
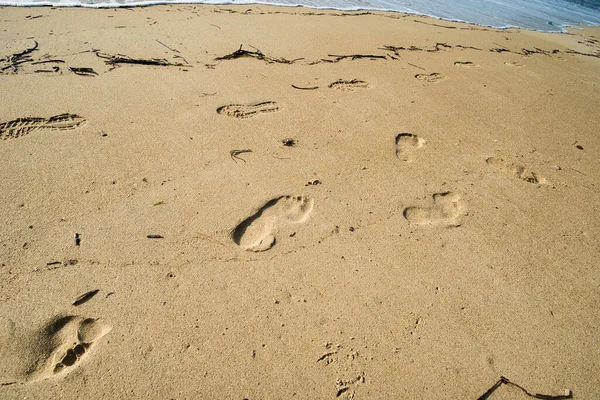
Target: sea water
x=541, y=15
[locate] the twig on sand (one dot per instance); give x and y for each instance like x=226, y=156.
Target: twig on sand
x=26, y=51
x=159, y=42
x=356, y=57
x=85, y=297
x=240, y=53
x=47, y=61
x=397, y=49
x=576, y=170
x=122, y=59
x=438, y=46
x=54, y=69
x=14, y=64
x=184, y=60
x=506, y=381
x=84, y=71
x=234, y=154
x=305, y=88
x=337, y=58
x=596, y=55
x=416, y=66
x=19, y=58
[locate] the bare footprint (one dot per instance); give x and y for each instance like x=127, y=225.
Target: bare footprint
x=517, y=170
x=447, y=209
x=22, y=126
x=513, y=64
x=248, y=110
x=348, y=86
x=257, y=233
x=465, y=64
x=433, y=77
x=53, y=351
x=7, y=333
x=406, y=143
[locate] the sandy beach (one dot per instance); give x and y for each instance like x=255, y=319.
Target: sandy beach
x=252, y=202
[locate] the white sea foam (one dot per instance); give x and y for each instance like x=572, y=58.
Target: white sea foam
x=542, y=15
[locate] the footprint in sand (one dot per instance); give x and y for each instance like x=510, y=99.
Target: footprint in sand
x=54, y=351
x=447, y=209
x=406, y=144
x=513, y=64
x=257, y=232
x=22, y=126
x=248, y=110
x=517, y=170
x=467, y=64
x=433, y=77
x=348, y=86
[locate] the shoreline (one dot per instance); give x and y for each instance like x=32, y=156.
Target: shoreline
x=564, y=28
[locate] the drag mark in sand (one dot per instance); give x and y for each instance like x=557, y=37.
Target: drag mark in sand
x=406, y=143
x=433, y=77
x=257, y=232
x=348, y=86
x=23, y=126
x=447, y=209
x=248, y=110
x=517, y=170
x=58, y=348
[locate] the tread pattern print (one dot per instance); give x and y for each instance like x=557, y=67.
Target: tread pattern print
x=248, y=110
x=23, y=126
x=433, y=77
x=348, y=86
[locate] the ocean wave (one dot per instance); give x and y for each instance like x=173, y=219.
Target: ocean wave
x=541, y=15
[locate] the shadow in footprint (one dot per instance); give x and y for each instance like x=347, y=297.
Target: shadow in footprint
x=257, y=232
x=447, y=209
x=406, y=143
x=53, y=351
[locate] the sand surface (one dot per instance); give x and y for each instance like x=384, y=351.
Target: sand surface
x=413, y=224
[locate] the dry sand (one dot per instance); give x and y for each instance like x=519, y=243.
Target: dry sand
x=431, y=225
